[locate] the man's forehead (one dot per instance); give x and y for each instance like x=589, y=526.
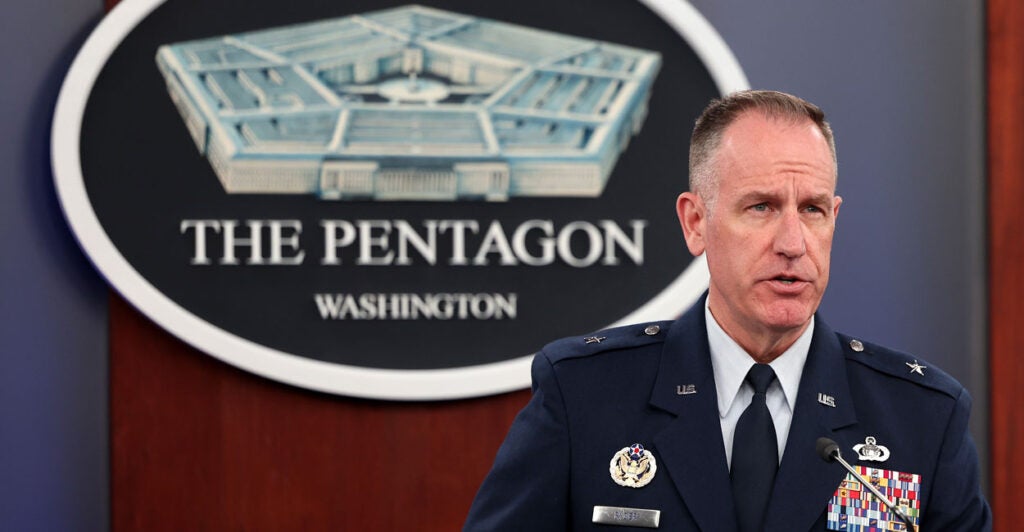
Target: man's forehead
x=755, y=126
x=756, y=145
x=803, y=193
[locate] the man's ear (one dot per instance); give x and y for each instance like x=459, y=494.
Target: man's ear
x=692, y=217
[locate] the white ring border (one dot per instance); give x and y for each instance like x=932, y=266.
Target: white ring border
x=409, y=385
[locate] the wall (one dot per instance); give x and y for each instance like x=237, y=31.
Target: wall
x=53, y=385
x=901, y=82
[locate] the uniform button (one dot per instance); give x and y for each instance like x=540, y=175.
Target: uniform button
x=856, y=345
x=652, y=330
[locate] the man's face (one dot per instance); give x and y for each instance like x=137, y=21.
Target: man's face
x=768, y=234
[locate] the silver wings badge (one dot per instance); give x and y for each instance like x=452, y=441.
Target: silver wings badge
x=871, y=452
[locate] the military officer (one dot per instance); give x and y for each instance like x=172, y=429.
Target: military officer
x=710, y=422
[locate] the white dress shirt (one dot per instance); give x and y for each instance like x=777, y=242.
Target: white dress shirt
x=731, y=363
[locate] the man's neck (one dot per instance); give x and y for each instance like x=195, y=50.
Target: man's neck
x=761, y=343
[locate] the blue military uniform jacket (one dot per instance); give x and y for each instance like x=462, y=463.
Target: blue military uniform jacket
x=592, y=399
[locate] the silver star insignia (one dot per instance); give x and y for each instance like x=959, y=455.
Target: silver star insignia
x=916, y=368
x=593, y=339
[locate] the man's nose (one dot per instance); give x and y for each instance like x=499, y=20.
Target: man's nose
x=790, y=239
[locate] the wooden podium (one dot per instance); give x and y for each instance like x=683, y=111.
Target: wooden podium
x=197, y=444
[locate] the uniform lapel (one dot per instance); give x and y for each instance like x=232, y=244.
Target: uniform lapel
x=691, y=447
x=805, y=482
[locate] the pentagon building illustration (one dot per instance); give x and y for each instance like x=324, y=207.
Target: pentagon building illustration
x=411, y=103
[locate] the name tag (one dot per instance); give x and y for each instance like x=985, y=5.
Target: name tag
x=615, y=515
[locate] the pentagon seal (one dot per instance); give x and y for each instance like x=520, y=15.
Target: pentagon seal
x=633, y=466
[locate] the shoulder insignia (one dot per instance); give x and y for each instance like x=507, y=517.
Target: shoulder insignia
x=898, y=364
x=607, y=340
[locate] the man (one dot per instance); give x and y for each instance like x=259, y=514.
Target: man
x=710, y=422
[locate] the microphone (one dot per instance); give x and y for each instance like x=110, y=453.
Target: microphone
x=828, y=450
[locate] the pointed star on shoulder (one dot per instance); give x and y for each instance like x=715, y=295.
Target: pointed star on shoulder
x=916, y=368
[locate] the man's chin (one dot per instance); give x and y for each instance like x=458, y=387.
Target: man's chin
x=787, y=318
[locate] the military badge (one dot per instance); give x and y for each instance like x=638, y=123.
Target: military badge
x=916, y=367
x=854, y=508
x=869, y=451
x=633, y=466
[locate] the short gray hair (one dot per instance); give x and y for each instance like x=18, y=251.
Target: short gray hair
x=721, y=113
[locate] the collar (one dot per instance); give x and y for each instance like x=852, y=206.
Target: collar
x=731, y=363
x=803, y=480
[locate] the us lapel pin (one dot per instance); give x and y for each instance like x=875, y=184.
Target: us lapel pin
x=686, y=389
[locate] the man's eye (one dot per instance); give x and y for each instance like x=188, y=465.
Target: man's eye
x=760, y=207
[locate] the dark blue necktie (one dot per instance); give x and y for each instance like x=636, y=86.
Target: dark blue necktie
x=755, y=454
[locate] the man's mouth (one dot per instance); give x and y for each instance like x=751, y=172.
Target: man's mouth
x=787, y=280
